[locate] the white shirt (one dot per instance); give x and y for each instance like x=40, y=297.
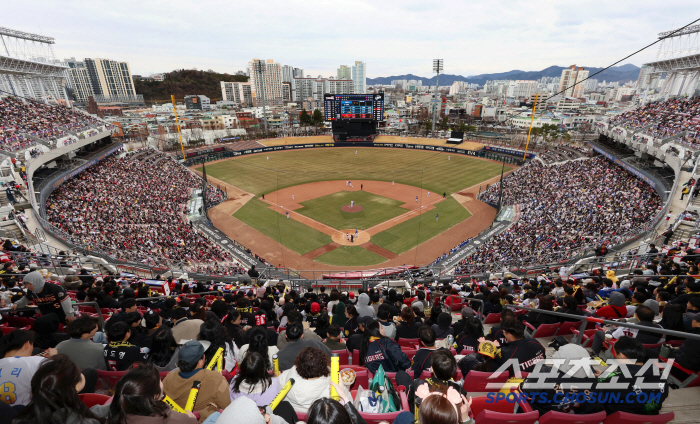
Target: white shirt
x=16, y=378
x=305, y=392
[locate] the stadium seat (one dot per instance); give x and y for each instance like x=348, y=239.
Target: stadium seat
x=544, y=330
x=408, y=343
x=493, y=318
x=410, y=353
x=343, y=356
x=620, y=417
x=476, y=381
x=554, y=417
x=492, y=417
x=483, y=403
x=92, y=399
x=8, y=330
x=109, y=379
x=691, y=381
x=568, y=327
x=587, y=336
x=356, y=357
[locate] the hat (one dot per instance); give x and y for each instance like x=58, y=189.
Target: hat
x=611, y=275
x=250, y=293
x=617, y=299
x=351, y=295
x=315, y=308
x=192, y=351
x=70, y=271
x=571, y=352
x=625, y=284
x=364, y=320
x=653, y=305
x=467, y=312
x=489, y=349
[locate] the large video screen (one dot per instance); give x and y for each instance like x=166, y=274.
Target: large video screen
x=354, y=107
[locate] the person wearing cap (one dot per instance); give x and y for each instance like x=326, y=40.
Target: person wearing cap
x=351, y=298
x=50, y=298
x=354, y=342
x=466, y=313
x=213, y=391
x=314, y=313
x=615, y=309
x=560, y=382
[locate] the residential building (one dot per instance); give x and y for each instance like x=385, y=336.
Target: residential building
x=522, y=89
x=303, y=89
x=570, y=76
x=541, y=101
x=287, y=91
x=569, y=103
x=623, y=91
x=79, y=80
x=359, y=77
x=266, y=82
x=344, y=72
x=197, y=102
x=287, y=73
x=298, y=73
x=111, y=80
x=239, y=92
x=340, y=86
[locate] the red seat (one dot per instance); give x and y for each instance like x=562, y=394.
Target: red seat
x=392, y=376
x=87, y=309
x=492, y=417
x=493, y=318
x=554, y=417
x=8, y=330
x=410, y=353
x=281, y=329
x=408, y=343
x=587, y=335
x=476, y=381
x=568, y=327
x=675, y=343
x=92, y=399
x=109, y=379
x=691, y=381
x=483, y=403
x=356, y=357
x=343, y=356
x=163, y=374
x=620, y=417
x=544, y=330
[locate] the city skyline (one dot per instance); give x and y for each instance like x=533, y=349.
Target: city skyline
x=392, y=38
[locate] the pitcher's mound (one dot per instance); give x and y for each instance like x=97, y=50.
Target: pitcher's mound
x=353, y=209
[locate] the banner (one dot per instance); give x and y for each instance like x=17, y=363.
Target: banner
x=509, y=151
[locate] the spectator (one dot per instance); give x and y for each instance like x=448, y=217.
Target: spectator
x=120, y=354
x=296, y=316
x=329, y=411
x=688, y=354
x=363, y=307
x=54, y=392
x=183, y=327
x=526, y=351
x=645, y=317
x=138, y=399
x=448, y=408
x=421, y=361
x=408, y=327
x=443, y=328
x=351, y=315
x=465, y=313
x=46, y=333
x=213, y=392
x=259, y=343
x=332, y=341
x=384, y=318
x=379, y=350
x=213, y=332
x=296, y=343
x=16, y=351
x=80, y=347
x=164, y=354
x=253, y=380
x=50, y=298
x=615, y=309
x=468, y=341
x=546, y=303
x=570, y=307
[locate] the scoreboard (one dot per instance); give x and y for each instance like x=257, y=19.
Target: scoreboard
x=354, y=107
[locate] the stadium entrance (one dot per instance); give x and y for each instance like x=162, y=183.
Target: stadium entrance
x=354, y=117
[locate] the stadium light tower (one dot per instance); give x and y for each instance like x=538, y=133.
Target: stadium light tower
x=258, y=68
x=437, y=68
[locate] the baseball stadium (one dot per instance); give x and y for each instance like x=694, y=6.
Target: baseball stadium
x=354, y=256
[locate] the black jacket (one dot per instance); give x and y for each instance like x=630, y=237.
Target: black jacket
x=404, y=331
x=527, y=351
x=466, y=344
x=689, y=353
x=387, y=353
x=421, y=361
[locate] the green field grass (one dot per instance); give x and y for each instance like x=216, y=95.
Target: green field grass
x=432, y=171
x=291, y=233
x=375, y=209
x=409, y=234
x=350, y=256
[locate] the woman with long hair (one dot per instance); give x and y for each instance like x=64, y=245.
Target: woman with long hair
x=138, y=399
x=339, y=316
x=258, y=342
x=215, y=333
x=408, y=328
x=253, y=380
x=546, y=303
x=55, y=387
x=164, y=350
x=468, y=341
x=376, y=349
x=351, y=315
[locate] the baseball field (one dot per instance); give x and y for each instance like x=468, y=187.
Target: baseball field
x=340, y=208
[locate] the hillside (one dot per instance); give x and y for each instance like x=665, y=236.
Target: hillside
x=621, y=74
x=184, y=82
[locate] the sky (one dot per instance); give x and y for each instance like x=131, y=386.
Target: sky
x=391, y=37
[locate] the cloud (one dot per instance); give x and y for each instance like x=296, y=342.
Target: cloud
x=392, y=37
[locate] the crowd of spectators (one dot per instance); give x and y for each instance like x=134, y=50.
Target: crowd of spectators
x=133, y=208
x=666, y=118
x=566, y=207
x=20, y=116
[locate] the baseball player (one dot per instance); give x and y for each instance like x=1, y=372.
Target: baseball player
x=347, y=236
x=352, y=203
x=292, y=197
x=356, y=233
x=436, y=217
x=416, y=199
x=287, y=214
x=428, y=194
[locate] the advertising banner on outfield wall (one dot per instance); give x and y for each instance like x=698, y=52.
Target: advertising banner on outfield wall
x=509, y=151
x=230, y=153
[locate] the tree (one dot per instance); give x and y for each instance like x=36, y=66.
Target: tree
x=444, y=123
x=304, y=118
x=317, y=117
x=428, y=125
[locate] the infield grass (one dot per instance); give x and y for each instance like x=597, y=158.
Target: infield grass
x=375, y=209
x=291, y=233
x=410, y=233
x=350, y=256
x=432, y=171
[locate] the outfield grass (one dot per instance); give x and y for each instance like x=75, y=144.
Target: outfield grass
x=375, y=209
x=350, y=256
x=408, y=234
x=293, y=234
x=432, y=171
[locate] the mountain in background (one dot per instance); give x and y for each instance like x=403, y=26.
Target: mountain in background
x=185, y=82
x=620, y=74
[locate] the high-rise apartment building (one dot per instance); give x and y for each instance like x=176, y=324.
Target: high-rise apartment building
x=359, y=77
x=340, y=86
x=79, y=80
x=266, y=82
x=315, y=88
x=298, y=73
x=344, y=72
x=570, y=76
x=239, y=92
x=111, y=80
x=287, y=73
